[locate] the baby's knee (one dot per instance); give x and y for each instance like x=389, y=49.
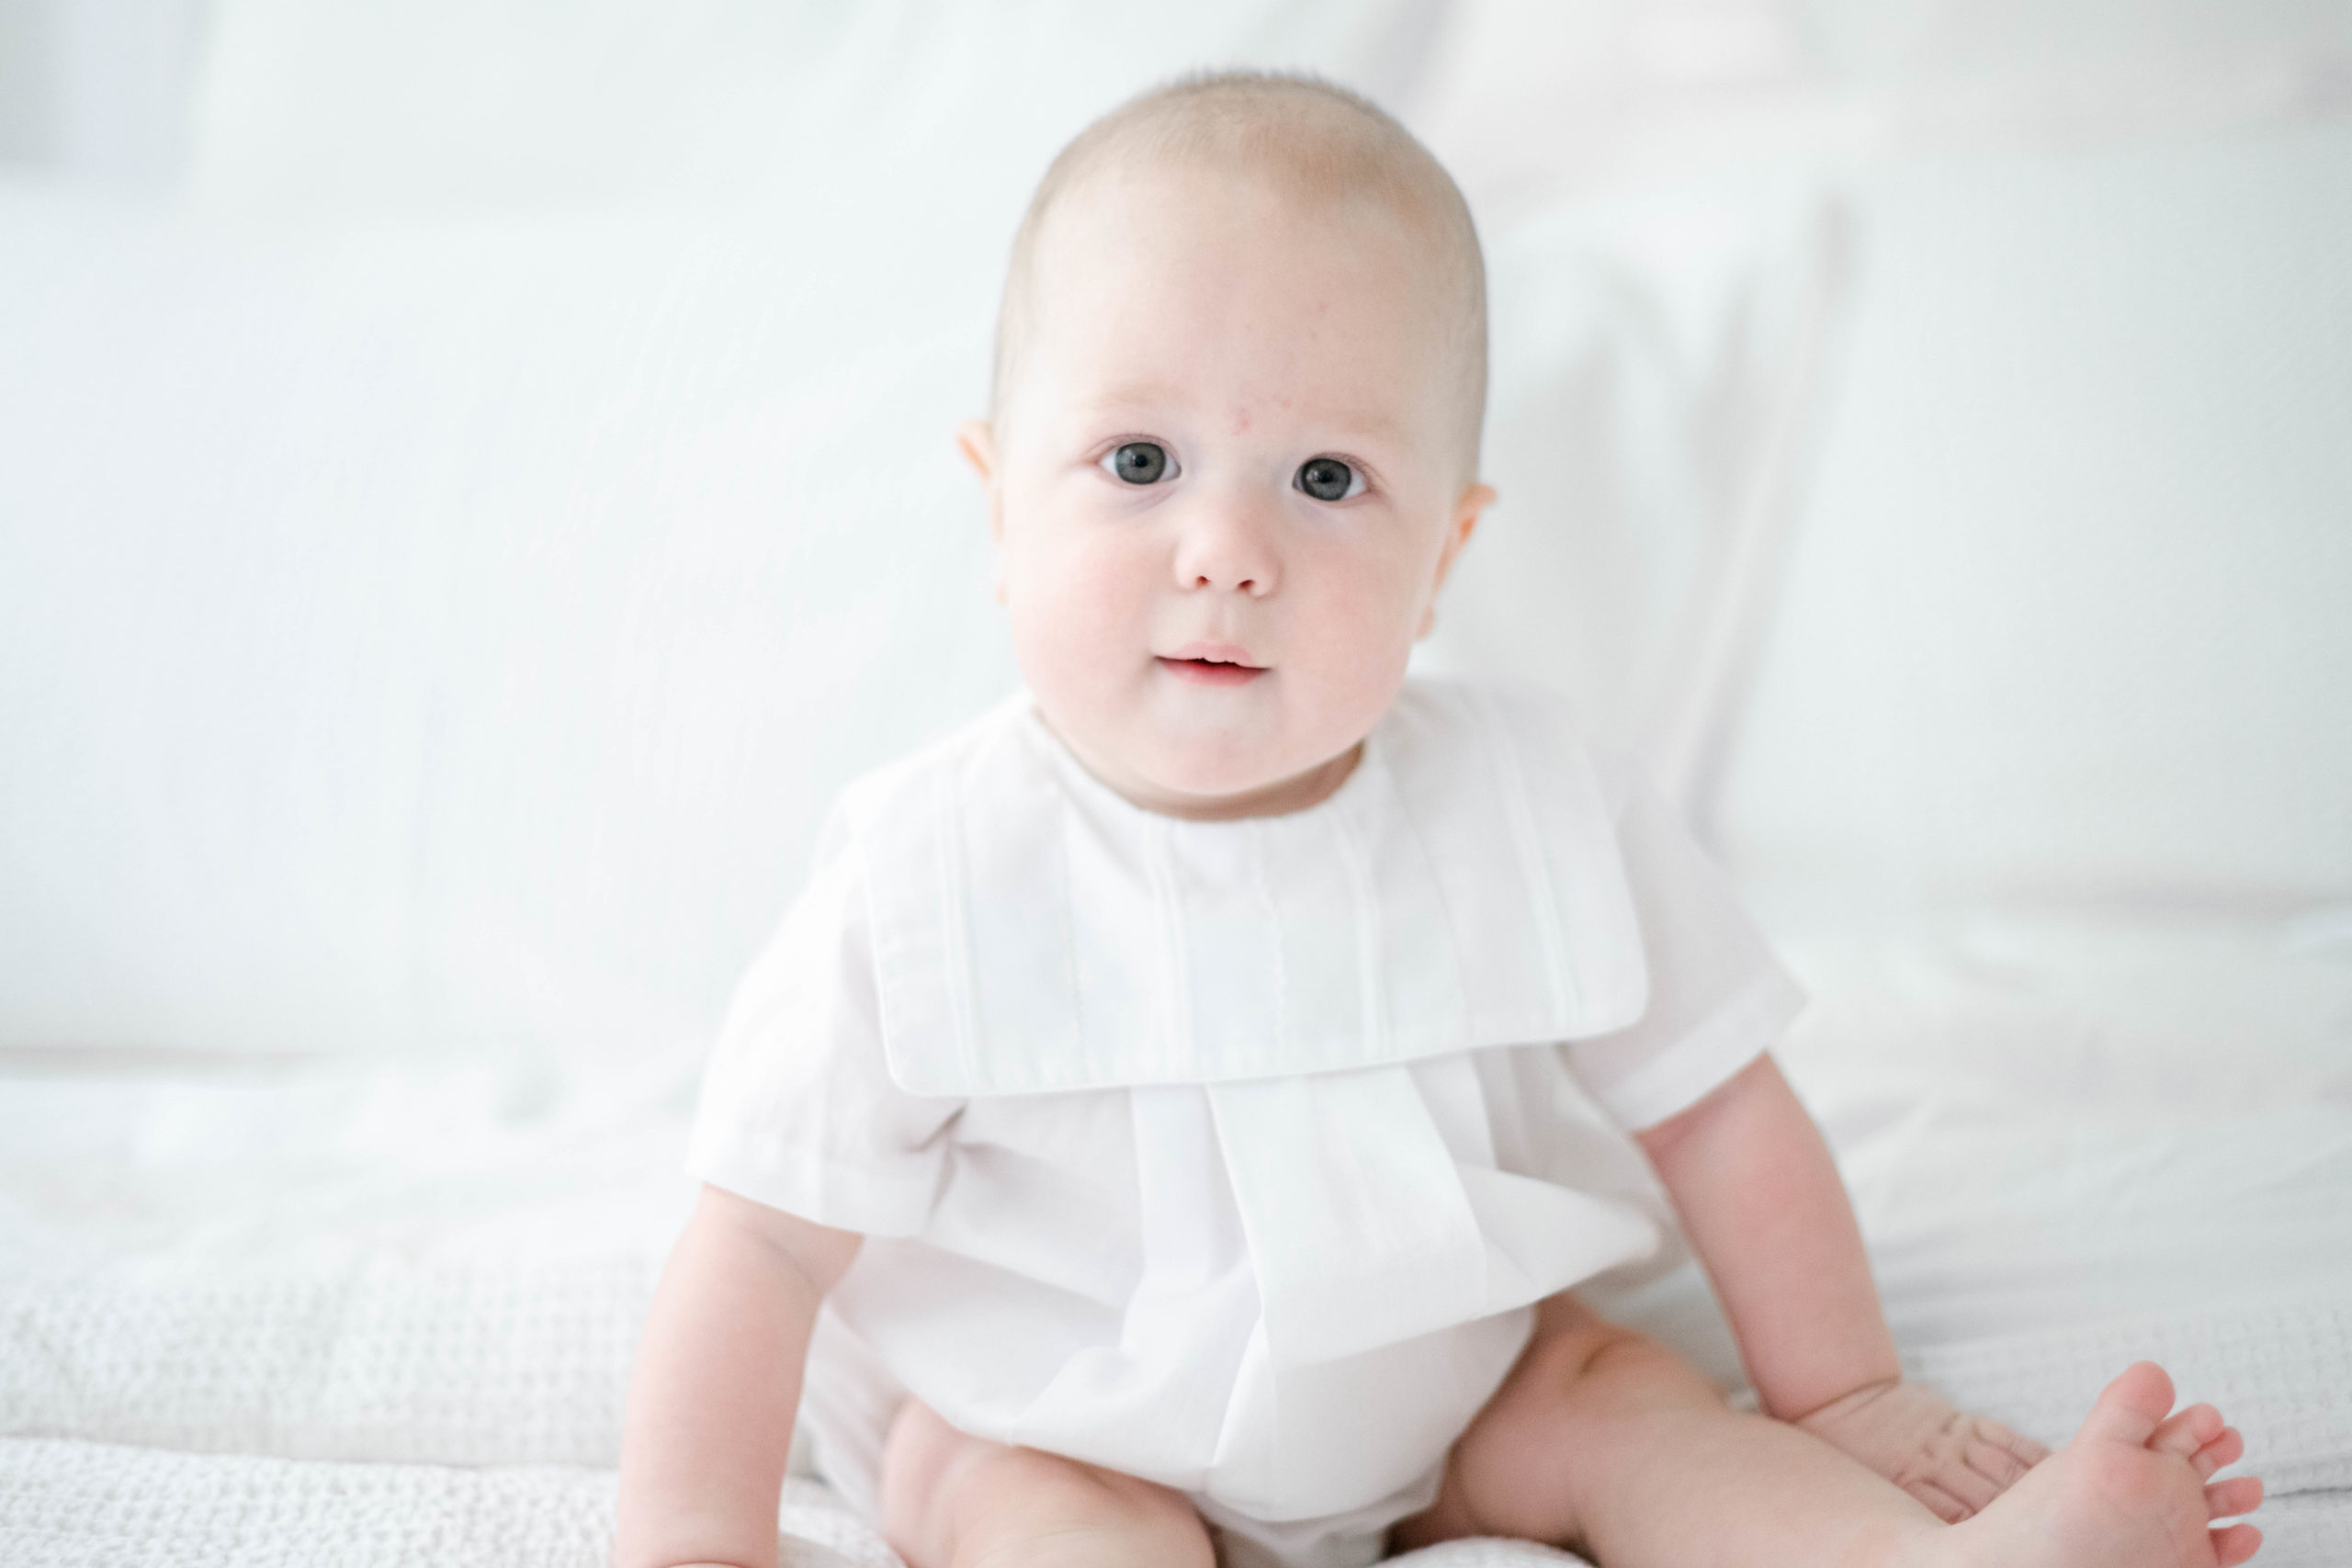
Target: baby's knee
x=1599, y=1369
x=949, y=1499
x=1042, y=1511
x=1067, y=1492
x=1528, y=1463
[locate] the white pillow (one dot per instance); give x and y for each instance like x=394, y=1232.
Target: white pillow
x=2067, y=613
x=1655, y=366
x=1529, y=94
x=450, y=633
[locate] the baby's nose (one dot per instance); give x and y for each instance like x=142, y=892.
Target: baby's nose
x=1227, y=543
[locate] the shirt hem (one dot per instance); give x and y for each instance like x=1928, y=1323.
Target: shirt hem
x=828, y=1193
x=1705, y=1059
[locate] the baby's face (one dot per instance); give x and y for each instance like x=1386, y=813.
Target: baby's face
x=1226, y=481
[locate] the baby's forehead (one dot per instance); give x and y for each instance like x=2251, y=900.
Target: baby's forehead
x=1152, y=267
x=1366, y=255
x=1278, y=154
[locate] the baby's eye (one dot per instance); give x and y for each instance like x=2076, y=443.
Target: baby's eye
x=1139, y=463
x=1328, y=478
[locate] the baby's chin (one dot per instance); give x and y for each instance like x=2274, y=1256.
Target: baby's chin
x=1191, y=750
x=1186, y=777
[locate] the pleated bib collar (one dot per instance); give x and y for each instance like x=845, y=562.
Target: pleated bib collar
x=1034, y=932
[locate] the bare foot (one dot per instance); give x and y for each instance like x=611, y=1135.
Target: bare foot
x=2130, y=1492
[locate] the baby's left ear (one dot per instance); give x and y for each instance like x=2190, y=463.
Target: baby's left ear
x=1467, y=509
x=1458, y=529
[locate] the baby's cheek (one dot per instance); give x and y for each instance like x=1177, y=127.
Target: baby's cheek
x=1359, y=636
x=1077, y=620
x=1351, y=697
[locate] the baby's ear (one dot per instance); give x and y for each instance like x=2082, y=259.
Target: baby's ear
x=977, y=441
x=1458, y=529
x=1467, y=509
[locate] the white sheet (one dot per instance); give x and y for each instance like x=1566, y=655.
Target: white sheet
x=70, y=1505
x=2072, y=1143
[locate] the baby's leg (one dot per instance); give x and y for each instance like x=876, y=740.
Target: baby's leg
x=1604, y=1441
x=953, y=1501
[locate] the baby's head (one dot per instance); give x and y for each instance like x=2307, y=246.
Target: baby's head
x=1233, y=443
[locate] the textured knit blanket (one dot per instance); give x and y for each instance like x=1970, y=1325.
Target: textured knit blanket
x=389, y=1417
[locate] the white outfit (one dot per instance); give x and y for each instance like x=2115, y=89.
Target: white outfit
x=1229, y=1155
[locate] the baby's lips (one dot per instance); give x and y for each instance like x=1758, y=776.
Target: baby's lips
x=1212, y=665
x=1214, y=653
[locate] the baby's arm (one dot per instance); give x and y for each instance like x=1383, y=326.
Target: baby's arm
x=1760, y=1198
x=717, y=1384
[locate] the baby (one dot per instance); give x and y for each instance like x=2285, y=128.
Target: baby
x=1169, y=1126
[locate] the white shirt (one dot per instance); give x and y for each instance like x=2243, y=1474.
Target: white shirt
x=1231, y=1154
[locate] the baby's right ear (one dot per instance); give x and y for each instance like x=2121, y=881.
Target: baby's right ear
x=977, y=441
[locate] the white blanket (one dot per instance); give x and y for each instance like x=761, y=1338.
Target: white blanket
x=254, y=1315
x=403, y=1365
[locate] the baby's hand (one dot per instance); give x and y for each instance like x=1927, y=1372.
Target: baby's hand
x=1953, y=1461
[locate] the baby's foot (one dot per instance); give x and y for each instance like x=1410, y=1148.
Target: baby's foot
x=2130, y=1492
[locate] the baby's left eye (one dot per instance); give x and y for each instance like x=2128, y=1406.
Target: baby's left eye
x=1328, y=478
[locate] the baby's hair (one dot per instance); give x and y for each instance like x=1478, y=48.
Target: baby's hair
x=1313, y=137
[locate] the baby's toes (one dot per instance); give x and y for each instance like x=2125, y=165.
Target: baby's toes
x=2185, y=1431
x=2129, y=1408
x=2232, y=1544
x=2238, y=1494
x=2225, y=1450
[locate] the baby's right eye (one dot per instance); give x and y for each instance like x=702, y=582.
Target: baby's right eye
x=1139, y=463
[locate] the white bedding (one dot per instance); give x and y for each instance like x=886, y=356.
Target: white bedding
x=245, y=1303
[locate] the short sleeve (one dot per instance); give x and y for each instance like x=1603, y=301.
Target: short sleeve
x=1718, y=997
x=799, y=1110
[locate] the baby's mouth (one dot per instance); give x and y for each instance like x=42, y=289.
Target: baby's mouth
x=1211, y=665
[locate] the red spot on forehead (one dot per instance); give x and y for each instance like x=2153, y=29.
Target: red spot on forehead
x=1241, y=422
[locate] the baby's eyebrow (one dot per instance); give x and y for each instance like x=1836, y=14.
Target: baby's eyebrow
x=1384, y=429
x=1141, y=398
x=1376, y=426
